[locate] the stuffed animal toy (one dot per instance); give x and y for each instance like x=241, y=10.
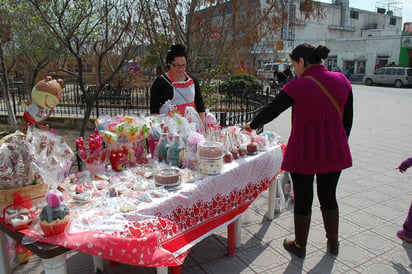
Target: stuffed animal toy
x=45, y=95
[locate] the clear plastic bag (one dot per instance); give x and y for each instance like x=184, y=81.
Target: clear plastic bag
x=193, y=117
x=18, y=254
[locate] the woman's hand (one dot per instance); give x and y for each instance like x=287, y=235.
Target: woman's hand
x=401, y=169
x=247, y=127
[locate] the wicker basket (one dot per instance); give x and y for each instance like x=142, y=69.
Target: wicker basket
x=34, y=191
x=11, y=135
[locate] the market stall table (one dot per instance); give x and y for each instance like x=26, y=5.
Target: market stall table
x=160, y=233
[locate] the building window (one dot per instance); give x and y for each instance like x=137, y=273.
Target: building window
x=360, y=67
x=354, y=14
x=392, y=21
x=349, y=67
x=87, y=68
x=382, y=61
x=306, y=5
x=332, y=63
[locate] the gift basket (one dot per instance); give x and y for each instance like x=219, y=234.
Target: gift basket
x=14, y=171
x=25, y=158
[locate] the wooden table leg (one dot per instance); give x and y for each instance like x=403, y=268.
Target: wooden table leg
x=4, y=257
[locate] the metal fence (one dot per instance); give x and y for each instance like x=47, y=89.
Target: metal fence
x=234, y=108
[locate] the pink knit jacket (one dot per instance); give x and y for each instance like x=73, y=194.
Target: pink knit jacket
x=318, y=142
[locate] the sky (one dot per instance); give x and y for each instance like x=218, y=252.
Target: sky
x=371, y=5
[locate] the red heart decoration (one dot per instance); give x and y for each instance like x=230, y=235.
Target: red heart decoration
x=176, y=216
x=214, y=204
x=136, y=232
x=162, y=223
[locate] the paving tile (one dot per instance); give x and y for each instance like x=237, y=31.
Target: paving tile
x=288, y=268
x=247, y=240
x=345, y=208
x=377, y=196
x=357, y=201
x=251, y=216
x=363, y=219
x=393, y=190
x=268, y=231
x=277, y=245
x=402, y=205
x=382, y=211
x=207, y=250
x=348, y=229
x=389, y=229
x=394, y=261
x=398, y=258
x=226, y=265
x=320, y=263
x=262, y=258
x=194, y=269
x=373, y=242
x=352, y=254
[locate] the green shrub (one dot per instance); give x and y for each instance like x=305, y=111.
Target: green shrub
x=240, y=83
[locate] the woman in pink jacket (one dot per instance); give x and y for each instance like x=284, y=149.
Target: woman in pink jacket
x=322, y=114
x=406, y=232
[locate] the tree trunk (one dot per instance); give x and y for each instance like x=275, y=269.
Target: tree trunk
x=6, y=93
x=86, y=117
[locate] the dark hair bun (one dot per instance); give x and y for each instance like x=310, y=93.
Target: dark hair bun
x=178, y=48
x=321, y=52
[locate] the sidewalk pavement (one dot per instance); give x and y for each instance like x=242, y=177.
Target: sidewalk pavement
x=373, y=196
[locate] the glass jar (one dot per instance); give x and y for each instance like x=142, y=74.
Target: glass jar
x=175, y=152
x=161, y=148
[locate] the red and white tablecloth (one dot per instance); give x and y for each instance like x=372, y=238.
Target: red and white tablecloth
x=160, y=233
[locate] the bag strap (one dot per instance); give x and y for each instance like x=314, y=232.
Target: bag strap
x=327, y=93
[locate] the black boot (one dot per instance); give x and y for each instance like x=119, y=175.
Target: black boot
x=298, y=246
x=331, y=224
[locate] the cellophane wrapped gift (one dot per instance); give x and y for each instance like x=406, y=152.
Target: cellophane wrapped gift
x=55, y=215
x=14, y=163
x=17, y=156
x=193, y=117
x=24, y=186
x=17, y=253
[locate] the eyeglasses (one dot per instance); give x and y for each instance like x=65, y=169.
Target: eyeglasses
x=178, y=65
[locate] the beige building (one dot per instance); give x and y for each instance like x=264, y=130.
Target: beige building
x=359, y=40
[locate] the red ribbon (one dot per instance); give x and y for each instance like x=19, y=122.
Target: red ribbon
x=22, y=201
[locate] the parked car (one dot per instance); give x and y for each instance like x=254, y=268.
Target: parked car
x=397, y=76
x=266, y=73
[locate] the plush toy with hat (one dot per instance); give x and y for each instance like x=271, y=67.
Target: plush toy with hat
x=45, y=96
